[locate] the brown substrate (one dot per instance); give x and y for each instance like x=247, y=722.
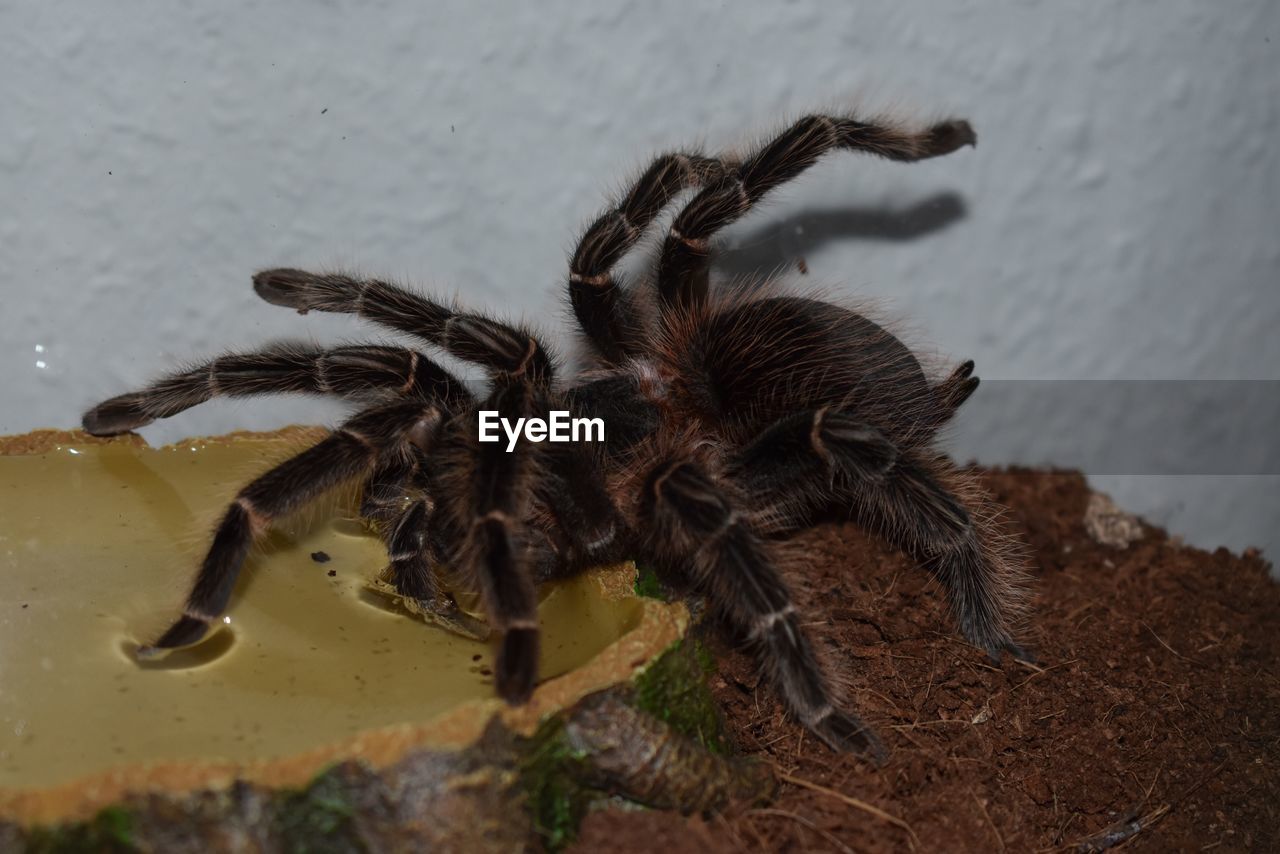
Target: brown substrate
x=1154, y=715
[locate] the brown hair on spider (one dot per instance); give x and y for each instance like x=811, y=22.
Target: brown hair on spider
x=733, y=419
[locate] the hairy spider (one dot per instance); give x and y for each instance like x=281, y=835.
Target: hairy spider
x=733, y=420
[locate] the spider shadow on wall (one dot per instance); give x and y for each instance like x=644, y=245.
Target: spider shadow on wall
x=781, y=244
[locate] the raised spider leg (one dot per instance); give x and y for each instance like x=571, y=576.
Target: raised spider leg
x=824, y=458
x=596, y=291
x=682, y=267
x=346, y=454
x=500, y=347
x=694, y=523
x=352, y=372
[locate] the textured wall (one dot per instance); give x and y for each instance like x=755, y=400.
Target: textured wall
x=1118, y=219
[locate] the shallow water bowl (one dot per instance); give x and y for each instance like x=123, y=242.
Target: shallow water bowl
x=310, y=672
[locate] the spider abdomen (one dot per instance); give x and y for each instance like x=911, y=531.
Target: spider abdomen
x=767, y=359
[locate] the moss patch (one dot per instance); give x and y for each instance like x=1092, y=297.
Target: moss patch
x=647, y=585
x=111, y=830
x=318, y=818
x=556, y=798
x=674, y=690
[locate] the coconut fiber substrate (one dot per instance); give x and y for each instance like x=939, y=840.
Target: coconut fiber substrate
x=1151, y=721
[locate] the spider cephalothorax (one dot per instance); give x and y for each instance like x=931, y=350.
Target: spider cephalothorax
x=731, y=420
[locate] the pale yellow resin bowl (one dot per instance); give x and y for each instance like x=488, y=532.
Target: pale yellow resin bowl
x=98, y=542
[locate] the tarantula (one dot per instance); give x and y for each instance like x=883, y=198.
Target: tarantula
x=734, y=419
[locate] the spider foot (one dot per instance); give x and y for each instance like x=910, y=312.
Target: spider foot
x=187, y=631
x=516, y=664
x=448, y=616
x=441, y=611
x=120, y=414
x=286, y=287
x=946, y=137
x=846, y=733
x=996, y=651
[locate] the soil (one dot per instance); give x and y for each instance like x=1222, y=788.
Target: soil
x=1152, y=719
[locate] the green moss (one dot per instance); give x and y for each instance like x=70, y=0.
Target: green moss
x=674, y=690
x=556, y=798
x=647, y=584
x=318, y=818
x=111, y=830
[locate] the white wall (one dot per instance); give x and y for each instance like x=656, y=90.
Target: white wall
x=1117, y=221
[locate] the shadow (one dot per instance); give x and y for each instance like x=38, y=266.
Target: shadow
x=781, y=244
x=203, y=652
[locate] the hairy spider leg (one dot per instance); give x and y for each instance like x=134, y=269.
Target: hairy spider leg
x=978, y=567
x=957, y=388
x=589, y=527
x=686, y=251
x=499, y=347
x=349, y=452
x=694, y=521
x=486, y=496
x=396, y=479
x=824, y=459
x=397, y=500
x=808, y=450
x=351, y=372
x=596, y=290
x=731, y=187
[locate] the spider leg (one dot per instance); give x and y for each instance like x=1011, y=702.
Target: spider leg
x=814, y=447
x=584, y=514
x=596, y=291
x=694, y=521
x=500, y=347
x=489, y=498
x=397, y=502
x=957, y=388
x=408, y=550
x=352, y=372
x=682, y=268
x=411, y=573
x=823, y=459
x=390, y=488
x=914, y=510
x=347, y=453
